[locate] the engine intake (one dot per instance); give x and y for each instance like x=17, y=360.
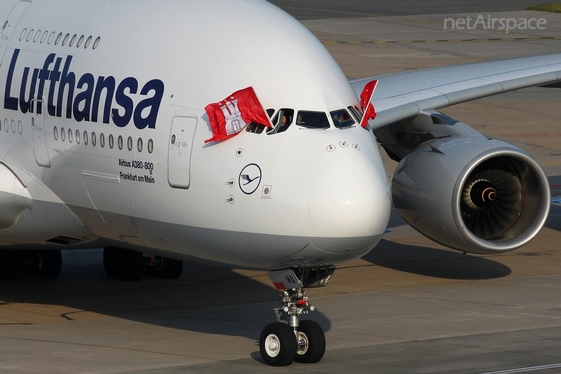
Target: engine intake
x=474, y=194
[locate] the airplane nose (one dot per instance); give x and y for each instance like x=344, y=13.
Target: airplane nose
x=350, y=199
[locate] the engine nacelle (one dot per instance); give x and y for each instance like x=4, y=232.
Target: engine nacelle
x=474, y=194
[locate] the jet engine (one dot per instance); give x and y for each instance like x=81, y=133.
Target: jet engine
x=474, y=194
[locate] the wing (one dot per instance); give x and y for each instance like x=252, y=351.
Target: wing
x=486, y=188
x=404, y=95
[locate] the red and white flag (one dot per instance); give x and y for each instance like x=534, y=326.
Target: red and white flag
x=229, y=116
x=366, y=102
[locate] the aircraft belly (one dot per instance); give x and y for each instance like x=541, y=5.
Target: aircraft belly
x=230, y=248
x=47, y=224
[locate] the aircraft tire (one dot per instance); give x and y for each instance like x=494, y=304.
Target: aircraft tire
x=311, y=342
x=112, y=262
x=9, y=264
x=132, y=265
x=51, y=264
x=277, y=344
x=171, y=268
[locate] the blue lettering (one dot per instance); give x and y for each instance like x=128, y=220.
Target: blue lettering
x=124, y=101
x=54, y=78
x=43, y=76
x=11, y=102
x=107, y=84
x=82, y=97
x=152, y=105
x=66, y=79
x=25, y=103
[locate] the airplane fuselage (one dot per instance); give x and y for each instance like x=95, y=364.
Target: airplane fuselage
x=103, y=123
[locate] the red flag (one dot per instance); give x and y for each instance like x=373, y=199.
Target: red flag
x=366, y=102
x=229, y=116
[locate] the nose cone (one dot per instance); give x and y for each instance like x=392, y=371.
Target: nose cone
x=350, y=199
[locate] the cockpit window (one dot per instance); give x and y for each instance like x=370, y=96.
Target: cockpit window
x=314, y=120
x=285, y=117
x=281, y=121
x=357, y=113
x=258, y=128
x=255, y=128
x=341, y=118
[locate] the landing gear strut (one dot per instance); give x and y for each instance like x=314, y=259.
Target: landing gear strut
x=291, y=339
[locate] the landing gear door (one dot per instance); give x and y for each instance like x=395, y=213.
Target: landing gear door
x=179, y=149
x=9, y=24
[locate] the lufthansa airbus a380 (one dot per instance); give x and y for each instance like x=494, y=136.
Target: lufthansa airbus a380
x=102, y=144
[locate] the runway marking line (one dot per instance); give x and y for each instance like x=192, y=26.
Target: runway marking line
x=526, y=369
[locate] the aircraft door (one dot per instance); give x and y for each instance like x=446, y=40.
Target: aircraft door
x=9, y=24
x=38, y=136
x=179, y=150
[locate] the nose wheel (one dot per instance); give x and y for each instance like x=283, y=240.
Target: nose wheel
x=310, y=341
x=278, y=344
x=291, y=339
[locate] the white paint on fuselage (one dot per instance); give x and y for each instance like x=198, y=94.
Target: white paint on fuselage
x=323, y=195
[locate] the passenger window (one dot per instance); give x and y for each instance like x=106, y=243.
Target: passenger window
x=313, y=120
x=341, y=118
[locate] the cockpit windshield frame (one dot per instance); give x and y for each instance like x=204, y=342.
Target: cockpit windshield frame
x=281, y=121
x=308, y=119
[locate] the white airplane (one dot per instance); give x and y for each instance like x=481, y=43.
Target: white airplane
x=102, y=144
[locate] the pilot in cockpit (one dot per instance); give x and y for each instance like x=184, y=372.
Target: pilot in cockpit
x=285, y=123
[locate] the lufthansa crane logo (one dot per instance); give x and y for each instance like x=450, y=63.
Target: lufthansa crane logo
x=250, y=178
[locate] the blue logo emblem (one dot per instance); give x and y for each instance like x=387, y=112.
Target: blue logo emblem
x=250, y=178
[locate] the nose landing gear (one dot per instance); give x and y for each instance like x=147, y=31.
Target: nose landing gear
x=291, y=339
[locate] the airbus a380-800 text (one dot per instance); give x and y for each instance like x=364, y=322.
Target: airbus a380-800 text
x=104, y=144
